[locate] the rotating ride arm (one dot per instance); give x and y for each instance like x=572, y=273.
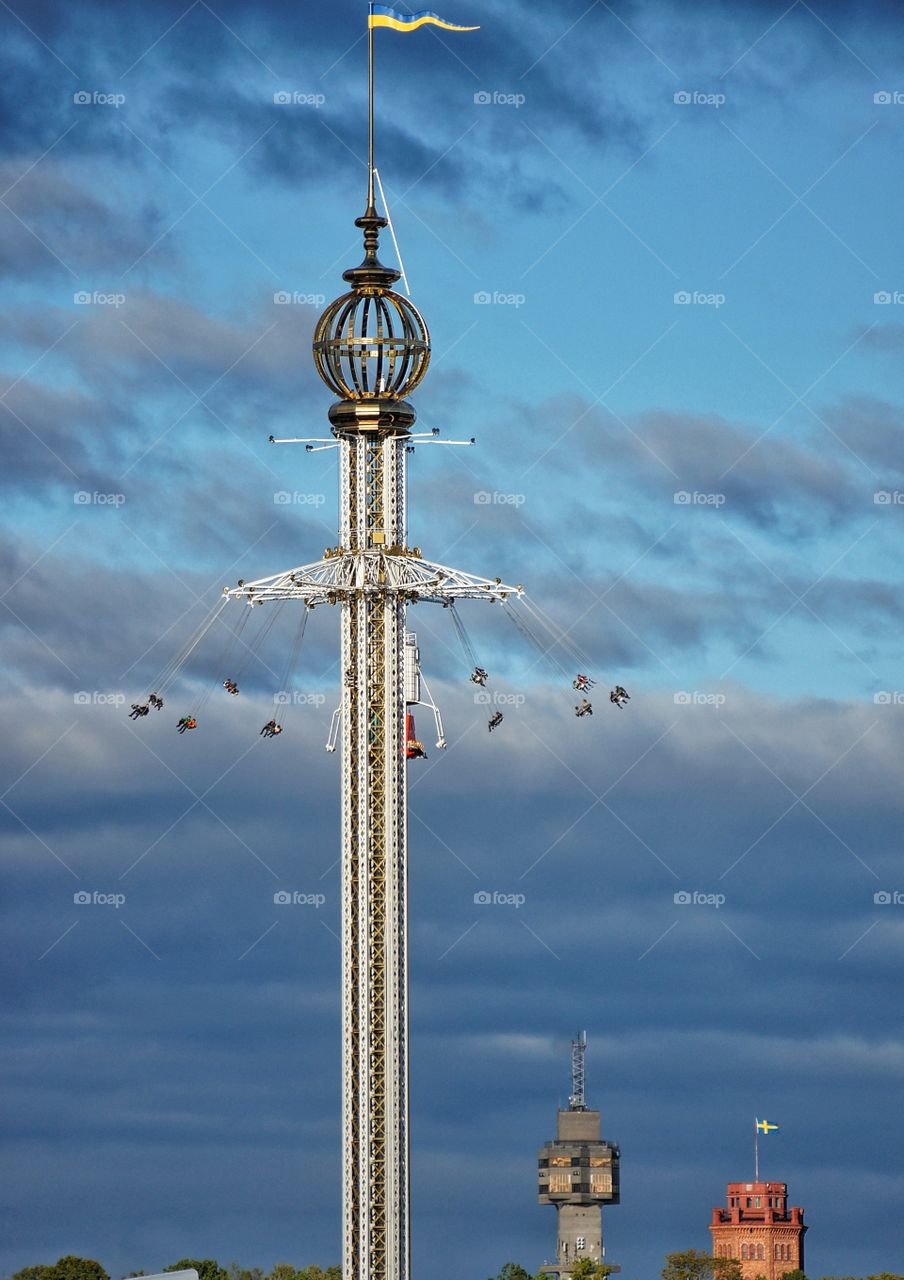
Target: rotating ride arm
x=341, y=575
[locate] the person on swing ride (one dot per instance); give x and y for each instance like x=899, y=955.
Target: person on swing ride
x=581, y=683
x=155, y=702
x=479, y=676
x=494, y=720
x=585, y=709
x=230, y=686
x=139, y=710
x=187, y=722
x=620, y=696
x=271, y=729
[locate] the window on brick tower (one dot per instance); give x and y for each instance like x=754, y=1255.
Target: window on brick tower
x=760, y=1253
x=743, y=1253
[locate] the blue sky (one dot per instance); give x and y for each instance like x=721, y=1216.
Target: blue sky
x=708, y=493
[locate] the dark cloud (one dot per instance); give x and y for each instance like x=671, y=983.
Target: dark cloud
x=160, y=1051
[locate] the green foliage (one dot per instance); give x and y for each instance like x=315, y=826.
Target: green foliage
x=512, y=1271
x=235, y=1272
x=693, y=1264
x=587, y=1269
x=73, y=1268
x=68, y=1268
x=794, y=1275
x=34, y=1273
x=206, y=1268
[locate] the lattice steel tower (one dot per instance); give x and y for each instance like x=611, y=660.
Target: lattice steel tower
x=372, y=348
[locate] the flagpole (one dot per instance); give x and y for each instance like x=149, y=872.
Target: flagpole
x=370, y=111
x=756, y=1150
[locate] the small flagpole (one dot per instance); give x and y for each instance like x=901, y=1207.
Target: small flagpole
x=370, y=109
x=756, y=1150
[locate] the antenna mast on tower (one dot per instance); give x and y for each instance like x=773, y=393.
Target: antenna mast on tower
x=578, y=1049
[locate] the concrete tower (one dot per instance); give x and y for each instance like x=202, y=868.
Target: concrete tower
x=759, y=1229
x=578, y=1173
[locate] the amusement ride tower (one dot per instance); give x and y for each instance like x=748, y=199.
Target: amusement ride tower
x=372, y=348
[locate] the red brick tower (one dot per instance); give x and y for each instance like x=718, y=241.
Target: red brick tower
x=760, y=1230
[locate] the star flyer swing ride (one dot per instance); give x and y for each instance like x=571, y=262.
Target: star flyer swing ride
x=372, y=348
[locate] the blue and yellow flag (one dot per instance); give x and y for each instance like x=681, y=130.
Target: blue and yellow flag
x=765, y=1127
x=382, y=16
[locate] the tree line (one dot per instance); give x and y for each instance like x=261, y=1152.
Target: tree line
x=75, y=1268
x=691, y=1264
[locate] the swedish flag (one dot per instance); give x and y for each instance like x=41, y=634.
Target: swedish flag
x=382, y=16
x=765, y=1127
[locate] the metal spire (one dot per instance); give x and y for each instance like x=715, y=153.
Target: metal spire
x=578, y=1049
x=370, y=119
